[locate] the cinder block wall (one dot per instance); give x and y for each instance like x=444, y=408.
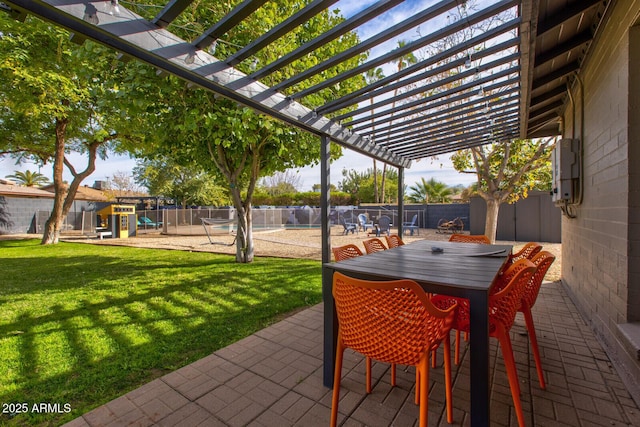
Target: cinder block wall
x=600, y=259
x=21, y=212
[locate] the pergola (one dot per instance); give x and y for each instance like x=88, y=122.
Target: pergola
x=503, y=69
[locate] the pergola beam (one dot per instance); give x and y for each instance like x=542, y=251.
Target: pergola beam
x=279, y=30
x=138, y=38
x=340, y=29
x=233, y=18
x=409, y=47
x=370, y=43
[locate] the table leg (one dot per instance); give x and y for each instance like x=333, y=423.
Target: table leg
x=479, y=354
x=330, y=327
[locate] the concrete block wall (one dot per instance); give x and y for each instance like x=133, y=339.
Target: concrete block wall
x=600, y=245
x=21, y=212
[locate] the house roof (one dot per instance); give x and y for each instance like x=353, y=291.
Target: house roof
x=14, y=190
x=84, y=193
x=509, y=80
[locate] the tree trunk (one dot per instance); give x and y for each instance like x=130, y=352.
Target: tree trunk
x=52, y=227
x=376, y=199
x=244, y=234
x=384, y=179
x=65, y=196
x=491, y=222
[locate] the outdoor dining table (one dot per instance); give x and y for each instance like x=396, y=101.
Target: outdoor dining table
x=460, y=269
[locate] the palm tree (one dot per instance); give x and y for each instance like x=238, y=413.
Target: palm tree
x=372, y=76
x=28, y=178
x=403, y=62
x=430, y=191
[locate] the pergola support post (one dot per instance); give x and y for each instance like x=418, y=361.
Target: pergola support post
x=330, y=317
x=400, y=201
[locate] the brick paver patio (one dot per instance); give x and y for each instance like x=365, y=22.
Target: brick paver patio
x=274, y=378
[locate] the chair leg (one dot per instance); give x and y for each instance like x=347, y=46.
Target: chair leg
x=423, y=367
x=393, y=375
x=457, y=348
x=512, y=373
x=336, y=383
x=447, y=378
x=368, y=375
x=531, y=329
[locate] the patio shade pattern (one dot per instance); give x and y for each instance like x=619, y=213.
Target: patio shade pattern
x=485, y=72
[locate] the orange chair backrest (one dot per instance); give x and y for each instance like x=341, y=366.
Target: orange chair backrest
x=374, y=245
x=394, y=241
x=341, y=253
x=504, y=304
x=528, y=251
x=542, y=261
x=470, y=238
x=392, y=321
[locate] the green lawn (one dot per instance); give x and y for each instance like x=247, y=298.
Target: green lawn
x=82, y=324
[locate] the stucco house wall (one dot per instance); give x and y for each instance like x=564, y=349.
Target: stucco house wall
x=600, y=246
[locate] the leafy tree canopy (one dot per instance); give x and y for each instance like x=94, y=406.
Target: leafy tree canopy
x=505, y=172
x=361, y=185
x=186, y=185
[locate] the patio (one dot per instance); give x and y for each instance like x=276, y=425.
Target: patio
x=274, y=378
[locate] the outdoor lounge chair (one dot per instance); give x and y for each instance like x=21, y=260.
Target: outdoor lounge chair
x=348, y=227
x=411, y=226
x=362, y=222
x=143, y=221
x=383, y=226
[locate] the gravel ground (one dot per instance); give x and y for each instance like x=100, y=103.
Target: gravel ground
x=302, y=243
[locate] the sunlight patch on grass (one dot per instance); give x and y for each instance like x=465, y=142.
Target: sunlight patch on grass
x=84, y=324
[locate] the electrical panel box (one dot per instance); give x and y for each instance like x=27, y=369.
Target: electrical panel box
x=565, y=170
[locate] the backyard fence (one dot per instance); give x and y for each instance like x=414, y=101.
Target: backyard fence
x=223, y=220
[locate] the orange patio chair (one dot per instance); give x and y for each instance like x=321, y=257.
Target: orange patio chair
x=503, y=306
x=374, y=245
x=341, y=253
x=470, y=238
x=528, y=251
x=392, y=322
x=542, y=261
x=393, y=241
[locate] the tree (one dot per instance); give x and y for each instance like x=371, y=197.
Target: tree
x=506, y=171
x=403, y=62
x=58, y=97
x=185, y=185
x=196, y=127
x=121, y=182
x=373, y=75
x=318, y=188
x=361, y=185
x=281, y=183
x=431, y=191
x=28, y=178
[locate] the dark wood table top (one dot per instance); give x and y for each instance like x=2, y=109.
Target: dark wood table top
x=459, y=268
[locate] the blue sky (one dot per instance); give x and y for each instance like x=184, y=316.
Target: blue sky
x=440, y=168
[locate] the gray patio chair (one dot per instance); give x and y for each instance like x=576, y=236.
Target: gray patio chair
x=348, y=227
x=411, y=226
x=383, y=226
x=362, y=221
